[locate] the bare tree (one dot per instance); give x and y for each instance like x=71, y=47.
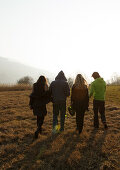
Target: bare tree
x=25, y=80
x=70, y=82
x=115, y=79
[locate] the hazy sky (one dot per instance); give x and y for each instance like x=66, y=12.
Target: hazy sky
x=73, y=35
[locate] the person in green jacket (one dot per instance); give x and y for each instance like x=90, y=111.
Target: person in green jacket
x=97, y=90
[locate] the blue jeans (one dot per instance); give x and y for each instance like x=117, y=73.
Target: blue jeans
x=59, y=107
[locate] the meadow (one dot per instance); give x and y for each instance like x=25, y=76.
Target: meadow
x=91, y=150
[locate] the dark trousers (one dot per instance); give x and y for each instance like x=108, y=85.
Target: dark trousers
x=40, y=120
x=80, y=108
x=59, y=107
x=80, y=120
x=99, y=106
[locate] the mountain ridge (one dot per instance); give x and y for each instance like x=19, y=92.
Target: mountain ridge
x=11, y=71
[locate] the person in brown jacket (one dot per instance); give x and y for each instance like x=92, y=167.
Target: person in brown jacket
x=79, y=100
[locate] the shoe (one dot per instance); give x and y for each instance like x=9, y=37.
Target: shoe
x=77, y=129
x=105, y=126
x=54, y=131
x=36, y=135
x=96, y=127
x=40, y=131
x=61, y=130
x=80, y=131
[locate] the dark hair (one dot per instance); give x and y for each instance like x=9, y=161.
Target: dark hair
x=41, y=80
x=95, y=75
x=39, y=86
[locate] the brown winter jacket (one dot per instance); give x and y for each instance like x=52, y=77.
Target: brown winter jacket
x=80, y=95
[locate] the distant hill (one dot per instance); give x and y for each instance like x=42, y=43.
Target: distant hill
x=11, y=71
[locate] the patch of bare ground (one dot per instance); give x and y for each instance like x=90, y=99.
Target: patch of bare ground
x=92, y=149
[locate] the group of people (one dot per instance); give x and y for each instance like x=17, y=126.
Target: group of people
x=57, y=93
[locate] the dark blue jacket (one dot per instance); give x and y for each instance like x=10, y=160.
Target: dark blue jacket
x=59, y=89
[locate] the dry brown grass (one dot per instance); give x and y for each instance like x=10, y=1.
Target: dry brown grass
x=22, y=87
x=113, y=94
x=92, y=149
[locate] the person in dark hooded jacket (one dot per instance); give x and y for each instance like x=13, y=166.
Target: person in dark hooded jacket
x=59, y=90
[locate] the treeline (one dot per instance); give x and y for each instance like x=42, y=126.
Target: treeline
x=25, y=83
x=29, y=81
x=115, y=80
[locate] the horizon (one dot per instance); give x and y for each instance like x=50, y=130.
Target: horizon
x=51, y=75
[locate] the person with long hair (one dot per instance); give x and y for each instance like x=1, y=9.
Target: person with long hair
x=79, y=100
x=38, y=100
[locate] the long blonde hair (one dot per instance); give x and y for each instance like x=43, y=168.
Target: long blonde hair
x=80, y=82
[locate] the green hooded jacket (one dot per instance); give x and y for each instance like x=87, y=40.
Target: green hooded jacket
x=97, y=89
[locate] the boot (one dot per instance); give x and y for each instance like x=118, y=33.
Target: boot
x=36, y=134
x=80, y=130
x=40, y=130
x=105, y=126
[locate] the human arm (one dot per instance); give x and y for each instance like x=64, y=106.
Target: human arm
x=91, y=91
x=105, y=86
x=67, y=90
x=72, y=95
x=50, y=92
x=87, y=100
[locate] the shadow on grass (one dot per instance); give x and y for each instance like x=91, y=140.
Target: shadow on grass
x=91, y=155
x=33, y=151
x=91, y=152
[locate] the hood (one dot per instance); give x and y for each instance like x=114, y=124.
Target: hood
x=61, y=76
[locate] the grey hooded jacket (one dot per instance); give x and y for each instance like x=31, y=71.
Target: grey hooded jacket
x=59, y=88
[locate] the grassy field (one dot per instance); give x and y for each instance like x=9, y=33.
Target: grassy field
x=113, y=95
x=16, y=87
x=92, y=149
